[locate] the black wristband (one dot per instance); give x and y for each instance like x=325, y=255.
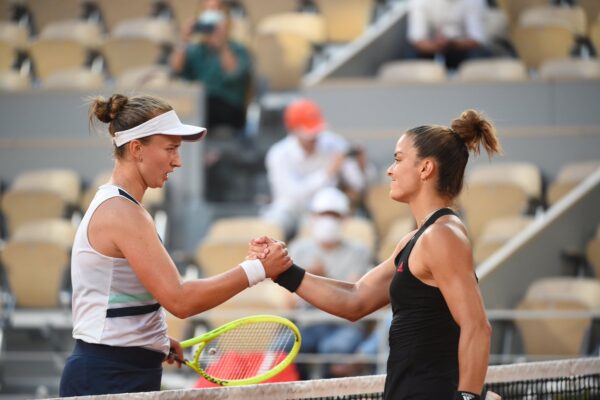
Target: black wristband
x=292, y=278
x=462, y=395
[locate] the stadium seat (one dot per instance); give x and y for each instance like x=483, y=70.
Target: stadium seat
x=592, y=253
x=35, y=259
x=499, y=190
x=281, y=59
x=572, y=18
x=76, y=78
x=256, y=10
x=40, y=194
x=513, y=8
x=115, y=11
x=14, y=34
x=347, y=20
x=8, y=55
x=536, y=44
x=570, y=69
x=122, y=54
x=155, y=29
x=399, y=228
x=558, y=335
x=310, y=26
x=50, y=56
x=226, y=242
x=492, y=70
x=382, y=209
x=182, y=10
x=595, y=34
x=591, y=9
x=496, y=233
x=13, y=81
x=56, y=230
x=149, y=76
x=244, y=229
x=89, y=34
x=412, y=71
x=569, y=176
x=44, y=12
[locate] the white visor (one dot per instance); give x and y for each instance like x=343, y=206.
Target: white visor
x=164, y=124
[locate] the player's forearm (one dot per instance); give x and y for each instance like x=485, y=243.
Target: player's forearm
x=332, y=296
x=473, y=356
x=204, y=294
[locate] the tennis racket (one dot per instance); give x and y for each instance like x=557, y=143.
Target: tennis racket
x=246, y=351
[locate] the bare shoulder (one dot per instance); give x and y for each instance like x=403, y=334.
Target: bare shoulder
x=120, y=214
x=446, y=241
x=447, y=228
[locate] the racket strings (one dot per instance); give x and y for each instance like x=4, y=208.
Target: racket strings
x=247, y=351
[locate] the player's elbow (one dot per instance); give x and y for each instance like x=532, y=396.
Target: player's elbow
x=179, y=309
x=480, y=328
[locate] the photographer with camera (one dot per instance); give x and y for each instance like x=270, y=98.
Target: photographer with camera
x=310, y=158
x=207, y=54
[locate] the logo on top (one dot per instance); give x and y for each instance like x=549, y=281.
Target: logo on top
x=400, y=267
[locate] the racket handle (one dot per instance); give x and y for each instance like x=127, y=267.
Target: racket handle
x=175, y=357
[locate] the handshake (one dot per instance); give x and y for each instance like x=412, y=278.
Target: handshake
x=268, y=258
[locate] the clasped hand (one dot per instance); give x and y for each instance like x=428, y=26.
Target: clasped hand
x=272, y=253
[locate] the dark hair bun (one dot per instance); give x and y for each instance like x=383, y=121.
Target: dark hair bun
x=476, y=129
x=107, y=110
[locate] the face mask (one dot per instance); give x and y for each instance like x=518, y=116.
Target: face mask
x=327, y=229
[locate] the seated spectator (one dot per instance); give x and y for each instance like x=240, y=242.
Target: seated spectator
x=310, y=158
x=326, y=253
x=221, y=64
x=450, y=29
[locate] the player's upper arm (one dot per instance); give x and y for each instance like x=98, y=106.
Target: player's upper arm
x=134, y=234
x=449, y=258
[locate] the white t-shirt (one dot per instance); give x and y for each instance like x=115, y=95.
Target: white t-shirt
x=294, y=176
x=449, y=18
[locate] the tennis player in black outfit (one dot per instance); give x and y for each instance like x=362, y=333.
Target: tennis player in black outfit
x=440, y=336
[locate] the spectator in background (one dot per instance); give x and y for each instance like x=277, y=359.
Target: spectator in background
x=310, y=158
x=326, y=253
x=221, y=64
x=451, y=29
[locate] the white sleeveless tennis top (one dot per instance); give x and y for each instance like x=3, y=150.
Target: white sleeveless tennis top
x=110, y=304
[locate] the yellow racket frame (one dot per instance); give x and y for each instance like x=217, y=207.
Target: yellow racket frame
x=205, y=339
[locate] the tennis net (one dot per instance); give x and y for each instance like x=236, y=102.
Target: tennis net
x=575, y=379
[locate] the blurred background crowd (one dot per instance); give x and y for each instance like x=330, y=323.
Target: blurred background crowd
x=303, y=101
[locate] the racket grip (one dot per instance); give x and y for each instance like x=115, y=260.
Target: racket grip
x=291, y=278
x=175, y=357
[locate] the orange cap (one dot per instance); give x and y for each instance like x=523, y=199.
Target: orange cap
x=304, y=115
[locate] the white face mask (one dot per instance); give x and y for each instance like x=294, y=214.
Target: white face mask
x=326, y=229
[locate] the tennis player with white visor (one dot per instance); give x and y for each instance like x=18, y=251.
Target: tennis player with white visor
x=122, y=275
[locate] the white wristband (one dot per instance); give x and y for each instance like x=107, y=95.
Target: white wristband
x=254, y=271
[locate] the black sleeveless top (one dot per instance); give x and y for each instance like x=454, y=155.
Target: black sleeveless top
x=423, y=339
